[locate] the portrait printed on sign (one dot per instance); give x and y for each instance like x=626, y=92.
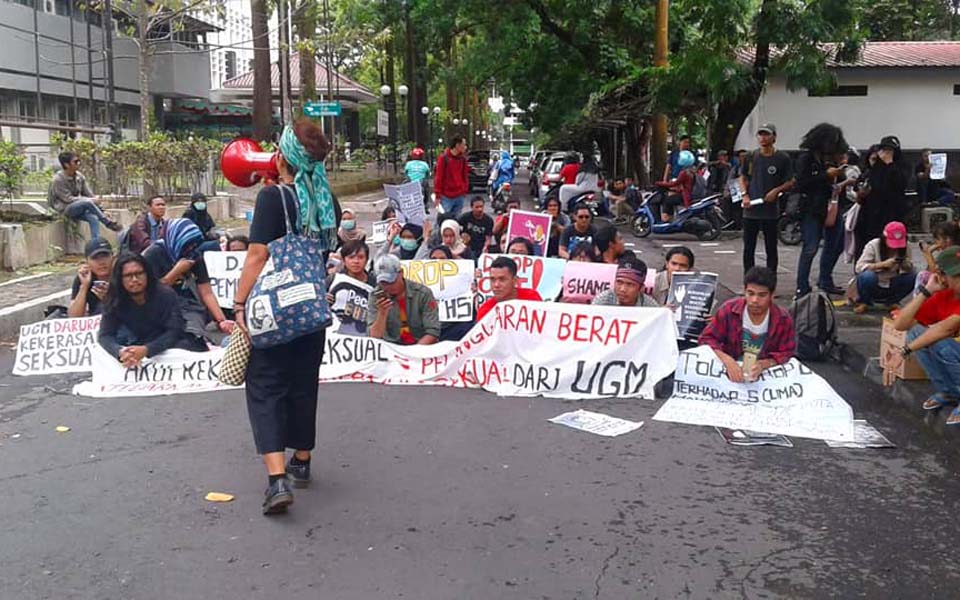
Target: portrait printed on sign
x=532, y=226
x=260, y=319
x=350, y=302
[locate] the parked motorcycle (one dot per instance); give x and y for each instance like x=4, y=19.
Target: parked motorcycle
x=703, y=219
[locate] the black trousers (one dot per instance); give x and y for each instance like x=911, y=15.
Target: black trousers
x=282, y=394
x=752, y=229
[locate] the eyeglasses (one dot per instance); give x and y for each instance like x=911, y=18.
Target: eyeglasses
x=583, y=217
x=135, y=275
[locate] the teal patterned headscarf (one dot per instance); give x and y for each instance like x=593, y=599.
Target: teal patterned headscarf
x=317, y=217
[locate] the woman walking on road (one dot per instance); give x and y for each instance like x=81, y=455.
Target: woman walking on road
x=281, y=381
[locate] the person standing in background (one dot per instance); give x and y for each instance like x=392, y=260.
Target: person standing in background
x=452, y=182
x=881, y=197
x=765, y=174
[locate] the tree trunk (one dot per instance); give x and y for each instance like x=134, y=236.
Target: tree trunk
x=305, y=24
x=262, y=85
x=143, y=23
x=423, y=127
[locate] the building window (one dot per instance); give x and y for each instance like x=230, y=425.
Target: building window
x=956, y=89
x=841, y=91
x=230, y=65
x=27, y=109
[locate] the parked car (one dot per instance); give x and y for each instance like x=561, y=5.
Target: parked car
x=549, y=174
x=533, y=169
x=479, y=163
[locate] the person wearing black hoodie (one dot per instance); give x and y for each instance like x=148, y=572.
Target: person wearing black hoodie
x=881, y=196
x=197, y=212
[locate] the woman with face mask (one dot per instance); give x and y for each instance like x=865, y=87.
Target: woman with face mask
x=406, y=242
x=349, y=231
x=197, y=212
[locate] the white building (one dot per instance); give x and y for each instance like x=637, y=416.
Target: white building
x=907, y=89
x=232, y=48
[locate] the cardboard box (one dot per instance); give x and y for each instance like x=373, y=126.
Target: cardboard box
x=891, y=341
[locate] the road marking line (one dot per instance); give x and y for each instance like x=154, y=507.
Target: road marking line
x=724, y=251
x=629, y=244
x=709, y=244
x=25, y=278
x=30, y=303
x=669, y=245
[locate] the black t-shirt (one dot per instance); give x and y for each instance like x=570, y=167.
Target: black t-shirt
x=94, y=306
x=477, y=229
x=156, y=256
x=267, y=222
x=571, y=237
x=763, y=174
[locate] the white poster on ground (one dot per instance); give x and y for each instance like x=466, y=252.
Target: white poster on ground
x=597, y=423
x=57, y=346
x=789, y=399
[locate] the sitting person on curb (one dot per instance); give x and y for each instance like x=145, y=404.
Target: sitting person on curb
x=177, y=260
x=627, y=287
x=945, y=234
x=751, y=326
x=884, y=270
x=92, y=282
x=932, y=319
x=503, y=283
x=149, y=226
x=141, y=316
x=679, y=259
x=70, y=195
x=401, y=311
x=609, y=244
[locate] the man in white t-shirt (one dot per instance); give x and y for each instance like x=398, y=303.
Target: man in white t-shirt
x=752, y=329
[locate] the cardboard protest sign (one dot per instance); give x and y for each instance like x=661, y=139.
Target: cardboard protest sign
x=378, y=233
x=407, y=198
x=938, y=166
x=692, y=294
x=582, y=280
x=451, y=282
x=736, y=195
x=57, y=346
x=533, y=226
x=224, y=269
x=172, y=372
x=789, y=399
x=545, y=275
x=350, y=301
x=518, y=349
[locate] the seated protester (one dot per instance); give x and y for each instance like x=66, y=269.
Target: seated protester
x=405, y=241
x=451, y=237
x=610, y=244
x=754, y=326
x=401, y=311
x=521, y=245
x=353, y=256
x=582, y=230
x=501, y=223
x=238, y=243
x=619, y=204
x=503, y=282
x=197, y=212
x=559, y=222
x=92, y=282
x=349, y=231
x=141, y=316
x=584, y=252
x=679, y=258
x=627, y=287
x=478, y=225
x=177, y=260
x=884, y=271
x=149, y=226
x=932, y=319
x=388, y=213
x=945, y=234
x=440, y=253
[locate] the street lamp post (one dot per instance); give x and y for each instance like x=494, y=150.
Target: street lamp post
x=403, y=90
x=435, y=124
x=389, y=106
x=425, y=111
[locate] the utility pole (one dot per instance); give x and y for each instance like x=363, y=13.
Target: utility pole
x=108, y=64
x=658, y=155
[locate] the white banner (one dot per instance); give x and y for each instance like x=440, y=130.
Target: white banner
x=57, y=346
x=789, y=399
x=451, y=282
x=519, y=349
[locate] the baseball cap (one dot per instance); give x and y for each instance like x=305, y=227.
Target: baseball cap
x=767, y=128
x=890, y=141
x=387, y=268
x=96, y=247
x=949, y=260
x=896, y=234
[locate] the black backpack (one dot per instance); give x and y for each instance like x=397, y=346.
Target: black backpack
x=815, y=323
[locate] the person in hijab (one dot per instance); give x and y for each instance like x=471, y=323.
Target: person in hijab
x=405, y=241
x=197, y=212
x=281, y=381
x=451, y=238
x=349, y=230
x=177, y=260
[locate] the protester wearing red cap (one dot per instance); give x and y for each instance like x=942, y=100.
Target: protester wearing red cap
x=884, y=270
x=933, y=318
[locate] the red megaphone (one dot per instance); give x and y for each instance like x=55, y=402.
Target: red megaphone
x=244, y=163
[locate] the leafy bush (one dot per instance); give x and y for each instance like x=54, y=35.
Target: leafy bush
x=12, y=169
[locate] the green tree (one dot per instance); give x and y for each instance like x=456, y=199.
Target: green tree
x=12, y=171
x=909, y=20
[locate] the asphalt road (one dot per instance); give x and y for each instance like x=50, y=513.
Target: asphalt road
x=428, y=494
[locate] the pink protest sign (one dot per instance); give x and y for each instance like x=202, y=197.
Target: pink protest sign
x=582, y=280
x=532, y=226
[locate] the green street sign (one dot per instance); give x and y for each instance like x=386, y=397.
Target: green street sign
x=322, y=109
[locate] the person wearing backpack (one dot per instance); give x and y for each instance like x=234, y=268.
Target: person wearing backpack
x=751, y=329
x=767, y=173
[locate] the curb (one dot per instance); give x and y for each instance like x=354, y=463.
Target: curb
x=361, y=187
x=31, y=311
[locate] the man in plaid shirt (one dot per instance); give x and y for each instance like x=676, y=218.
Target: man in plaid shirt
x=751, y=328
